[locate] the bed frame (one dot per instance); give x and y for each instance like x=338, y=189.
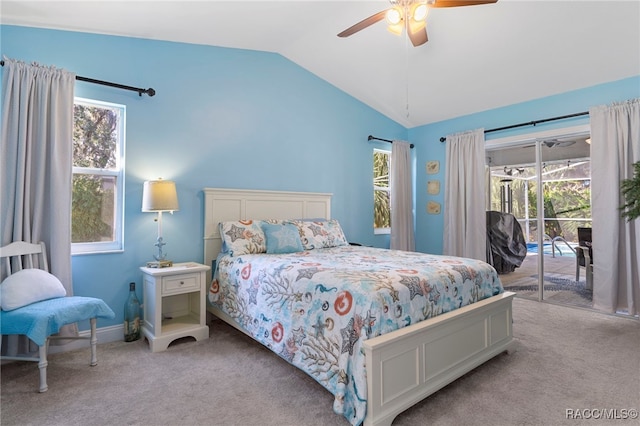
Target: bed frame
x=407, y=365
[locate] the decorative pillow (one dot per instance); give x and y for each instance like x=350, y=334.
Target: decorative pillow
x=282, y=238
x=29, y=286
x=242, y=237
x=320, y=234
x=273, y=221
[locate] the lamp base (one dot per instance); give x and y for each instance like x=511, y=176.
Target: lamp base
x=160, y=264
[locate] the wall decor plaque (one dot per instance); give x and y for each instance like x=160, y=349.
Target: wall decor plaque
x=433, y=207
x=433, y=167
x=433, y=187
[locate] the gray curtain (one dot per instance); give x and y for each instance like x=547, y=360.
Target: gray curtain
x=615, y=146
x=37, y=143
x=402, y=229
x=465, y=229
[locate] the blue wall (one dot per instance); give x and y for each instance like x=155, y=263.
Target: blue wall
x=247, y=119
x=221, y=117
x=427, y=139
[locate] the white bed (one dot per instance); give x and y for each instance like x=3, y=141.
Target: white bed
x=404, y=366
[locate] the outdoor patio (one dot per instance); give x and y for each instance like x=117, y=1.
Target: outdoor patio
x=559, y=285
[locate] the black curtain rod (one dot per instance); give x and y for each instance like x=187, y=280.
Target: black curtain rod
x=530, y=123
x=140, y=91
x=383, y=140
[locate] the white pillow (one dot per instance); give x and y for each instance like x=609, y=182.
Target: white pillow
x=29, y=286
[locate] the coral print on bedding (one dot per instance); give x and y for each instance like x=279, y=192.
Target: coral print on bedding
x=315, y=307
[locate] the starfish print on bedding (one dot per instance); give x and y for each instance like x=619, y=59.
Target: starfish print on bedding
x=319, y=327
x=349, y=337
x=369, y=320
x=466, y=272
x=413, y=284
x=317, y=230
x=253, y=292
x=307, y=273
x=235, y=233
x=298, y=335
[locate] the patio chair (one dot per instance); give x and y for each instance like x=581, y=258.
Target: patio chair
x=584, y=255
x=34, y=304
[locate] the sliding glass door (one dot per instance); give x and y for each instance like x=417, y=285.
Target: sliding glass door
x=545, y=186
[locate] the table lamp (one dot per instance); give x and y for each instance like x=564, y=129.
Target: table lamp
x=159, y=196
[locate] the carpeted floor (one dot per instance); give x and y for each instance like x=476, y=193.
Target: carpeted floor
x=564, y=359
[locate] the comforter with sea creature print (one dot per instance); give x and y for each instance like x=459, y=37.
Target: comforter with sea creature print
x=315, y=308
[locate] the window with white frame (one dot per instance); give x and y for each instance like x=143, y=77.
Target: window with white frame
x=381, y=192
x=98, y=177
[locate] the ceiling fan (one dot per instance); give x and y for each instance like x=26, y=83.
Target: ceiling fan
x=410, y=15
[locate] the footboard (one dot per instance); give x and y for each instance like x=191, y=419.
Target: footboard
x=410, y=364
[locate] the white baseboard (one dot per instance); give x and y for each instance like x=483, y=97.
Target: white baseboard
x=109, y=334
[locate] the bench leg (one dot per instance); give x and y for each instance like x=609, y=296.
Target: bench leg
x=94, y=341
x=42, y=365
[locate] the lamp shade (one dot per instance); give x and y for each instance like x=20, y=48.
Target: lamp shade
x=159, y=196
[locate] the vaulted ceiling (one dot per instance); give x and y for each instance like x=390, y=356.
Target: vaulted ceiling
x=478, y=57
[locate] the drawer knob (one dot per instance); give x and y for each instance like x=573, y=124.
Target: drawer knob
x=181, y=282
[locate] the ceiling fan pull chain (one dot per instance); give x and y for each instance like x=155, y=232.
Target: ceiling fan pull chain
x=406, y=44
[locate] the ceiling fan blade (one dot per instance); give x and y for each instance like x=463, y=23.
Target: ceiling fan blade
x=456, y=3
x=363, y=24
x=418, y=37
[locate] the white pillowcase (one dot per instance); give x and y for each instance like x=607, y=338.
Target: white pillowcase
x=29, y=286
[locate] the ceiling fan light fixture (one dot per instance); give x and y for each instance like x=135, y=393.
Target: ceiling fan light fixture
x=394, y=20
x=415, y=26
x=395, y=29
x=394, y=16
x=419, y=12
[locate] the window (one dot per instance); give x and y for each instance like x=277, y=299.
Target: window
x=381, y=192
x=98, y=177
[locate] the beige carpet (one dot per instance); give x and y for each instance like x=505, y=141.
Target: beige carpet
x=565, y=359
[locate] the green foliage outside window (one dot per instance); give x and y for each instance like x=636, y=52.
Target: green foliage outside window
x=95, y=141
x=381, y=199
x=91, y=203
x=569, y=199
x=94, y=137
x=566, y=192
x=631, y=193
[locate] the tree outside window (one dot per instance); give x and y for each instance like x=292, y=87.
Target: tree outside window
x=566, y=197
x=98, y=139
x=381, y=192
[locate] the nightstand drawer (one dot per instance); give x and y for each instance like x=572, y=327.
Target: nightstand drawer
x=180, y=283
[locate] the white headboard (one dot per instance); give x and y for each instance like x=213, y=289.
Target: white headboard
x=239, y=204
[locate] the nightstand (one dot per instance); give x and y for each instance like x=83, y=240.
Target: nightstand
x=174, y=304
